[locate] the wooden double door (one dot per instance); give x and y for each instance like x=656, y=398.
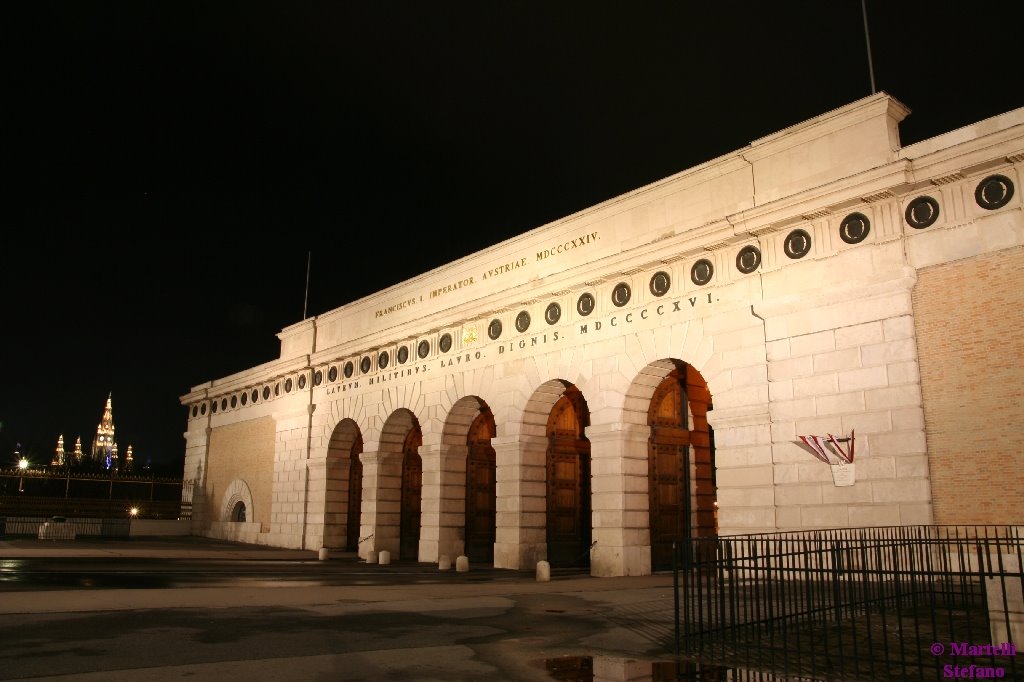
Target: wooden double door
x=481, y=497
x=355, y=497
x=412, y=496
x=568, y=483
x=680, y=464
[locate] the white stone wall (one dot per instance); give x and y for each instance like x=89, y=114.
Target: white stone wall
x=816, y=345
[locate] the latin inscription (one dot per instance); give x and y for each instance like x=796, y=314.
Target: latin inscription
x=396, y=307
x=576, y=243
x=454, y=286
x=504, y=267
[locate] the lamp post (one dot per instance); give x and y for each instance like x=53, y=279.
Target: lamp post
x=22, y=467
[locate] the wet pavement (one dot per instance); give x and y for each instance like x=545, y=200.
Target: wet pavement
x=169, y=608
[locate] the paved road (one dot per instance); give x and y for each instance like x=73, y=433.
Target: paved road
x=167, y=609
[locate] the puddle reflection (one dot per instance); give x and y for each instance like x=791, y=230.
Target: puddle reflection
x=611, y=669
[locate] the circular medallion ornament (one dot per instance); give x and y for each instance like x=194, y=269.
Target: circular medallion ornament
x=994, y=192
x=748, y=259
x=798, y=244
x=224, y=404
x=383, y=359
x=202, y=409
x=494, y=329
x=318, y=377
x=660, y=282
x=277, y=389
x=349, y=369
x=234, y=401
x=403, y=355
x=423, y=349
x=302, y=381
x=195, y=411
x=255, y=395
x=701, y=272
x=213, y=407
x=244, y=398
x=621, y=294
x=585, y=304
x=266, y=392
x=522, y=321
x=332, y=374
x=922, y=212
x=288, y=385
x=445, y=342
x=365, y=364
x=855, y=228
x=553, y=313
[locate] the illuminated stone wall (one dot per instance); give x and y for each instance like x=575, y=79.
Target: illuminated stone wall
x=788, y=274
x=242, y=451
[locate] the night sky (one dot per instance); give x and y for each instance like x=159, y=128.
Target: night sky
x=170, y=166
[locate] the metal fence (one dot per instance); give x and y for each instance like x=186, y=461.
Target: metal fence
x=900, y=603
x=59, y=528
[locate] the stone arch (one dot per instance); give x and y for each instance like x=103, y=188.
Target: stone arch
x=399, y=485
x=666, y=406
x=343, y=486
x=236, y=505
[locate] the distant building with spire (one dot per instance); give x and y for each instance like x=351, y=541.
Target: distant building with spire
x=58, y=455
x=77, y=455
x=104, y=448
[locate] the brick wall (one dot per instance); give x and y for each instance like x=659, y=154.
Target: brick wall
x=970, y=336
x=244, y=450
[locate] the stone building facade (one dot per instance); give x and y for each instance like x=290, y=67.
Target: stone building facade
x=642, y=370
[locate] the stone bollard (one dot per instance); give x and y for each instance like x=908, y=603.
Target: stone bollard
x=324, y=553
x=385, y=557
x=371, y=558
x=444, y=563
x=462, y=563
x=543, y=572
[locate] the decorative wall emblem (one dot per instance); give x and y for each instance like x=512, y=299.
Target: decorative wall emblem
x=202, y=409
x=494, y=329
x=266, y=392
x=585, y=304
x=855, y=228
x=522, y=321
x=288, y=385
x=922, y=212
x=445, y=342
x=302, y=381
x=423, y=349
x=748, y=259
x=349, y=369
x=224, y=404
x=213, y=407
x=277, y=389
x=702, y=272
x=332, y=374
x=798, y=244
x=660, y=283
x=234, y=401
x=994, y=192
x=469, y=335
x=365, y=364
x=244, y=398
x=383, y=359
x=553, y=313
x=621, y=294
x=403, y=355
x=318, y=377
x=255, y=395
x=195, y=411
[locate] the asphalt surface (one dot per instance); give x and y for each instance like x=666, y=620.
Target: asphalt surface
x=184, y=607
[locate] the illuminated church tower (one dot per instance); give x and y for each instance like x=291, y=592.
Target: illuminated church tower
x=129, y=464
x=103, y=448
x=58, y=456
x=77, y=456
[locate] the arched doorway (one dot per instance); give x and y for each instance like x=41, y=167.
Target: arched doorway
x=412, y=487
x=355, y=496
x=681, y=464
x=480, y=489
x=568, y=482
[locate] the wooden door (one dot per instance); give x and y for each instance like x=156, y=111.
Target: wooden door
x=568, y=483
x=355, y=497
x=680, y=465
x=481, y=500
x=412, y=484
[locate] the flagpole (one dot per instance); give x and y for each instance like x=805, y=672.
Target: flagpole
x=309, y=263
x=867, y=40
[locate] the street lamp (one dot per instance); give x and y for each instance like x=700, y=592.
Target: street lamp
x=22, y=467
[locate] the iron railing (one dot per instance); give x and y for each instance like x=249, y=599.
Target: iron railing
x=899, y=603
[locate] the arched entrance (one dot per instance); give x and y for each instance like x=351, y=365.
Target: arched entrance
x=480, y=489
x=412, y=493
x=681, y=464
x=355, y=496
x=568, y=482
